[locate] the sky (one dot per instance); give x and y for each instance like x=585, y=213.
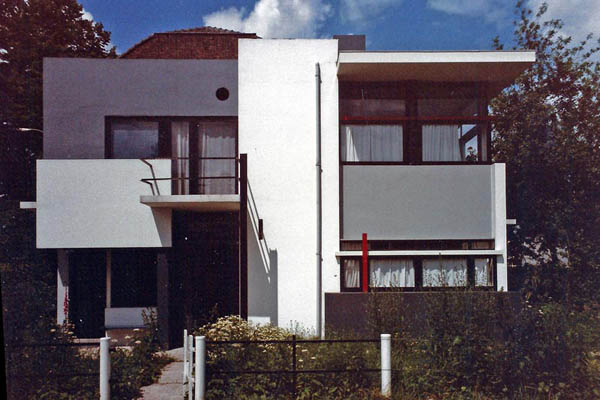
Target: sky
x=388, y=24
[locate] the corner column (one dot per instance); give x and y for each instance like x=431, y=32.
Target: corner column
x=243, y=235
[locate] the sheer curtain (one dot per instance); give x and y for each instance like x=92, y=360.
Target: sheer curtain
x=445, y=272
x=352, y=273
x=440, y=143
x=387, y=272
x=372, y=143
x=483, y=272
x=217, y=139
x=180, y=145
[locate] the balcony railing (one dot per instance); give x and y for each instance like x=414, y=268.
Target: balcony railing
x=194, y=179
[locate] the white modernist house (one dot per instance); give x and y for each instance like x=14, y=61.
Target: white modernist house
x=264, y=184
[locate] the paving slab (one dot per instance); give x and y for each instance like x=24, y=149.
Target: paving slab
x=170, y=383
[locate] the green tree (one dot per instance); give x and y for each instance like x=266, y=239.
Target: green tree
x=29, y=31
x=548, y=134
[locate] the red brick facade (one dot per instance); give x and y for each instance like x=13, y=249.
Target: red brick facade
x=198, y=43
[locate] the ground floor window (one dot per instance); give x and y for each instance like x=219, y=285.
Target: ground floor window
x=133, y=278
x=391, y=272
x=419, y=273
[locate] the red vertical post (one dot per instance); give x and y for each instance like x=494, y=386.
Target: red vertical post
x=365, y=263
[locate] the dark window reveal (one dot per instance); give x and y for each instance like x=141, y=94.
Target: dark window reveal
x=222, y=94
x=133, y=278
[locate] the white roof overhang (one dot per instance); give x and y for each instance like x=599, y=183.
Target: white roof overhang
x=497, y=68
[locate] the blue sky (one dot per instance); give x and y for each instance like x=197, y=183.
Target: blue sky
x=388, y=24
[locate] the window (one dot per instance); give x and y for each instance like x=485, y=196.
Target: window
x=133, y=278
x=203, y=150
x=484, y=271
x=453, y=143
x=444, y=272
x=391, y=273
x=372, y=143
x=134, y=139
x=351, y=273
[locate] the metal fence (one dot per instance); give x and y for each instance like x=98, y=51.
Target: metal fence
x=195, y=368
x=36, y=366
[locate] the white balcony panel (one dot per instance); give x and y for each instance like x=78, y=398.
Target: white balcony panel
x=96, y=204
x=425, y=202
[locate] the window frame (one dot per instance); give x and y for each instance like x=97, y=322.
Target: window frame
x=418, y=271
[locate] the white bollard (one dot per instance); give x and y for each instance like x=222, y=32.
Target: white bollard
x=185, y=356
x=191, y=380
x=200, y=387
x=386, y=364
x=104, y=368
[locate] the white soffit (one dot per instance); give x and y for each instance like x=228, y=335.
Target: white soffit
x=500, y=68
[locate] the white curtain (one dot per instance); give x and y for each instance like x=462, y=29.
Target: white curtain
x=483, y=272
x=217, y=139
x=180, y=145
x=372, y=143
x=352, y=273
x=387, y=272
x=445, y=272
x=440, y=143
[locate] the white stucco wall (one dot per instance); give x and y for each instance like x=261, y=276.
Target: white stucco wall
x=96, y=204
x=277, y=129
x=499, y=223
x=79, y=93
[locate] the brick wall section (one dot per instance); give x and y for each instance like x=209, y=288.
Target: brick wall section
x=188, y=45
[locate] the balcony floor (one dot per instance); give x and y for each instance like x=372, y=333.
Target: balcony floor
x=195, y=202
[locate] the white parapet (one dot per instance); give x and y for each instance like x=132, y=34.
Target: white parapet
x=96, y=204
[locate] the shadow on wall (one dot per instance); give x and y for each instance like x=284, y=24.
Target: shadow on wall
x=262, y=271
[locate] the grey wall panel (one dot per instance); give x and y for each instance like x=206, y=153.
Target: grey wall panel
x=417, y=202
x=79, y=93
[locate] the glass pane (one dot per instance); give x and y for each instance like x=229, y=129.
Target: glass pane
x=351, y=271
x=441, y=143
x=484, y=272
x=372, y=108
x=450, y=272
x=134, y=139
x=180, y=147
x=447, y=107
x=391, y=273
x=372, y=143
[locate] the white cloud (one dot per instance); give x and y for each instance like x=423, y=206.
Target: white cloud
x=363, y=10
x=87, y=15
x=580, y=17
x=274, y=18
x=492, y=11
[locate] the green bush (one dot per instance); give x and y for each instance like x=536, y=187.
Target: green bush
x=278, y=356
x=476, y=344
x=41, y=372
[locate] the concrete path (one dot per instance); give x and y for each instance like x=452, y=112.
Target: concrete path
x=170, y=384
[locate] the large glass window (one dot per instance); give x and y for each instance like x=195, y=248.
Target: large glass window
x=134, y=139
x=372, y=143
x=444, y=272
x=464, y=142
x=391, y=273
x=217, y=150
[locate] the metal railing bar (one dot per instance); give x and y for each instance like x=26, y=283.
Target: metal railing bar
x=298, y=371
x=291, y=341
x=153, y=175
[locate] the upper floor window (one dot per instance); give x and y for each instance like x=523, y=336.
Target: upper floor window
x=134, y=139
x=203, y=149
x=413, y=122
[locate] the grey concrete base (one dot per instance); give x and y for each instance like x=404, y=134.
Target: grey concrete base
x=170, y=383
